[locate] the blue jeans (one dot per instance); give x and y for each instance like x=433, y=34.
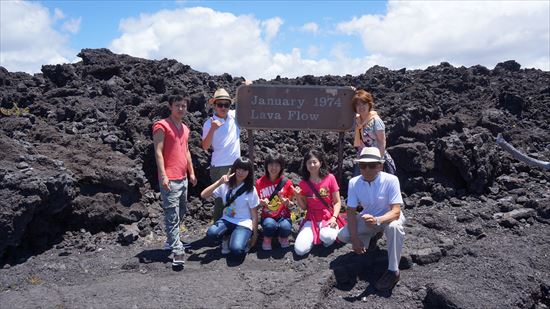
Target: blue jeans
x=174, y=204
x=239, y=235
x=271, y=226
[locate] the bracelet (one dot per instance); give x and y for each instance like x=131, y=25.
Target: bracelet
x=335, y=217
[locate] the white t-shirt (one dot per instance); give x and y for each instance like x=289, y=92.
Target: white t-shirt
x=239, y=211
x=226, y=142
x=375, y=197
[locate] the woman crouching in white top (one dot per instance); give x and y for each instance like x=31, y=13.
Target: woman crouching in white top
x=239, y=222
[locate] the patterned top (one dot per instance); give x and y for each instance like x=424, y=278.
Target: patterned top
x=368, y=132
x=276, y=209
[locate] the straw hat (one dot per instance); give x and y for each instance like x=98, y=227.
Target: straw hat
x=370, y=154
x=220, y=94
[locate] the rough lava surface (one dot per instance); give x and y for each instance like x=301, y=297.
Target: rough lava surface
x=81, y=224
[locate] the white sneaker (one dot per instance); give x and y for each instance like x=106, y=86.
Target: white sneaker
x=178, y=260
x=225, y=247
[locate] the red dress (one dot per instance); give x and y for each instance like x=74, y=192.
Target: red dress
x=316, y=209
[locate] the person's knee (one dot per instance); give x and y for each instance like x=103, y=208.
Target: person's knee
x=269, y=227
x=301, y=249
x=302, y=245
x=269, y=223
x=237, y=248
x=285, y=225
x=285, y=228
x=214, y=232
x=285, y=232
x=328, y=237
x=211, y=233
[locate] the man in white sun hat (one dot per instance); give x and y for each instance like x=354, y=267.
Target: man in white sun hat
x=221, y=133
x=374, y=205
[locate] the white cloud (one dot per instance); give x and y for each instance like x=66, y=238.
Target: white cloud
x=72, y=25
x=339, y=50
x=207, y=40
x=293, y=64
x=415, y=34
x=218, y=42
x=28, y=39
x=313, y=51
x=271, y=27
x=412, y=34
x=310, y=27
x=58, y=14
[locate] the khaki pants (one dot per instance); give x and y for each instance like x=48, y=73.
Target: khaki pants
x=395, y=235
x=215, y=174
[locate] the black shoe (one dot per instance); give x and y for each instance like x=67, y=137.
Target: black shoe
x=178, y=260
x=387, y=281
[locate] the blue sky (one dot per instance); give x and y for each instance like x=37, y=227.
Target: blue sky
x=289, y=38
x=100, y=19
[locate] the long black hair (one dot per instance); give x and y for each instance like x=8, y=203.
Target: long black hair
x=274, y=158
x=243, y=163
x=323, y=170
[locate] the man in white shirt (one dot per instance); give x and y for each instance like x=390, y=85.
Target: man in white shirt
x=374, y=205
x=221, y=133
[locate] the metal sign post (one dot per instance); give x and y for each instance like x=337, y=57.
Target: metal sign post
x=251, y=145
x=340, y=154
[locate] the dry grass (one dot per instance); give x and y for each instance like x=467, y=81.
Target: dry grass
x=34, y=280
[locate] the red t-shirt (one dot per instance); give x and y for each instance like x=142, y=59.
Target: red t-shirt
x=175, y=148
x=316, y=210
x=275, y=209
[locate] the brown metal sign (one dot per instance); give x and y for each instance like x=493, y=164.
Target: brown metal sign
x=288, y=107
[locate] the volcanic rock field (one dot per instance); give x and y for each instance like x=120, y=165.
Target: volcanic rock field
x=81, y=224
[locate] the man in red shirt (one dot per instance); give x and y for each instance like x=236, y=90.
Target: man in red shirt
x=170, y=137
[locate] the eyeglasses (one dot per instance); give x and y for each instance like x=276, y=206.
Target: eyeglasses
x=223, y=105
x=371, y=165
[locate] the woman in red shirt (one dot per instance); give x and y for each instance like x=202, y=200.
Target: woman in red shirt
x=319, y=194
x=275, y=192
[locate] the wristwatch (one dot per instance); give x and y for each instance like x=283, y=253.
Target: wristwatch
x=377, y=220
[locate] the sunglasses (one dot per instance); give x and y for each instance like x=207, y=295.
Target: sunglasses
x=371, y=165
x=223, y=105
